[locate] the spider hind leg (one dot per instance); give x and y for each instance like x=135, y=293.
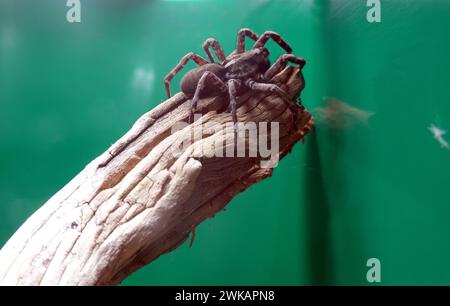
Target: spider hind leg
x=262, y=40
x=184, y=60
x=240, y=47
x=211, y=42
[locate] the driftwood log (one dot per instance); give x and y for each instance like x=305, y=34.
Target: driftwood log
x=139, y=199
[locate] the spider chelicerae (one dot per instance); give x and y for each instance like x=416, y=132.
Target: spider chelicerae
x=235, y=73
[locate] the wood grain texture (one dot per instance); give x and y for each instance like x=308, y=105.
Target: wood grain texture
x=139, y=199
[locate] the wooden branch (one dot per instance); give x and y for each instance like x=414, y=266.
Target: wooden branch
x=141, y=198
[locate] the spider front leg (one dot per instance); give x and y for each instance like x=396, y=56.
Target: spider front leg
x=207, y=79
x=211, y=42
x=240, y=47
x=276, y=37
x=232, y=90
x=281, y=63
x=190, y=56
x=272, y=88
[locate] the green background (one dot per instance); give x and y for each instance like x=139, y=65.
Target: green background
x=352, y=192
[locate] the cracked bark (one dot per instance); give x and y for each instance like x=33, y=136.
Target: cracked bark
x=139, y=199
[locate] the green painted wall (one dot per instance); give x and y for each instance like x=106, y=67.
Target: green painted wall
x=371, y=181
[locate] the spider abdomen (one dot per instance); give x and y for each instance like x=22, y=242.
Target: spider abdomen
x=190, y=80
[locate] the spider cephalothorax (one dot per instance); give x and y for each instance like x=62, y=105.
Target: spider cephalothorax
x=233, y=74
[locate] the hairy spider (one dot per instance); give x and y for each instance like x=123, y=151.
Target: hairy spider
x=233, y=74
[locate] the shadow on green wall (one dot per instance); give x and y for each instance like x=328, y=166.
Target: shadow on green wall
x=317, y=212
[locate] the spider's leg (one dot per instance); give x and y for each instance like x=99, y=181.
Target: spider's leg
x=211, y=42
x=207, y=79
x=281, y=62
x=277, y=90
x=190, y=56
x=265, y=87
x=232, y=94
x=276, y=37
x=240, y=47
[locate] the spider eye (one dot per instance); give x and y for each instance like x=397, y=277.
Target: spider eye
x=265, y=52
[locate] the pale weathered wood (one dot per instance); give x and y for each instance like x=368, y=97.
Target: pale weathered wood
x=139, y=200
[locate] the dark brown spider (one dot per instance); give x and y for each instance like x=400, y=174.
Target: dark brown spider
x=233, y=74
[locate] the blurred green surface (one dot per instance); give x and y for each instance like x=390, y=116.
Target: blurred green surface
x=371, y=181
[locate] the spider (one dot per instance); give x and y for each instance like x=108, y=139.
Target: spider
x=234, y=74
